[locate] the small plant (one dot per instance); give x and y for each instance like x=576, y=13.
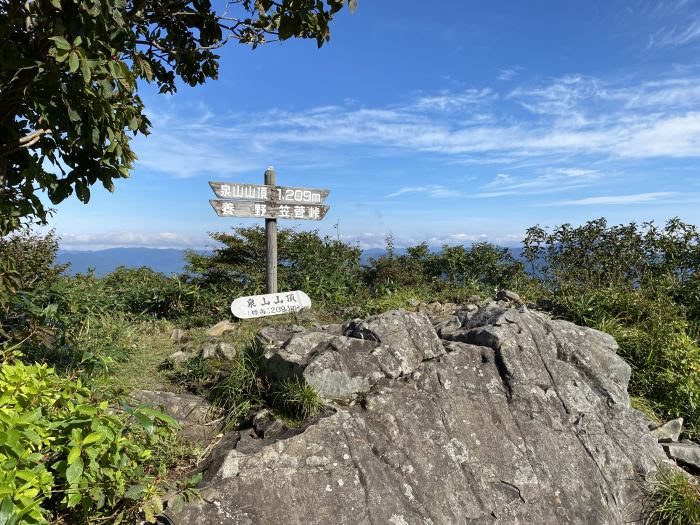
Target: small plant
x=66, y=458
x=673, y=498
x=240, y=391
x=299, y=399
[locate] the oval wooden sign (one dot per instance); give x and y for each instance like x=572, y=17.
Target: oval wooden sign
x=270, y=304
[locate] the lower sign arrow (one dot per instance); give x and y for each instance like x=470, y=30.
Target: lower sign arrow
x=269, y=210
x=270, y=304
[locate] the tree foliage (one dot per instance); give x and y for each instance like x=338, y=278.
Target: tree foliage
x=69, y=77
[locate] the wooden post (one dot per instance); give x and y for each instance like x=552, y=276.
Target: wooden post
x=271, y=240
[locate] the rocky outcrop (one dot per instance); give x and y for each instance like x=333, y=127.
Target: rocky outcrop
x=517, y=418
x=194, y=415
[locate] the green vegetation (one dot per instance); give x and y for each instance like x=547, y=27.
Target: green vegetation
x=641, y=283
x=299, y=399
x=66, y=459
x=673, y=499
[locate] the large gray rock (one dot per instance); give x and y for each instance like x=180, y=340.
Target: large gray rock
x=338, y=367
x=526, y=420
x=669, y=431
x=685, y=451
x=341, y=367
x=194, y=414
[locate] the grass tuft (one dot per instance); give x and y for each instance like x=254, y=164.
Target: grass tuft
x=673, y=499
x=298, y=399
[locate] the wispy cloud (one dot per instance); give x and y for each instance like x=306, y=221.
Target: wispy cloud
x=508, y=74
x=616, y=200
x=556, y=180
x=431, y=190
x=119, y=239
x=574, y=118
x=675, y=36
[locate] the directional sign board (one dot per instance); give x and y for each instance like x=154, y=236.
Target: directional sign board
x=271, y=194
x=269, y=210
x=270, y=202
x=270, y=304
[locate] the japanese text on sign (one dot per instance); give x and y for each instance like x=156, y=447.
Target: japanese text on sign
x=270, y=304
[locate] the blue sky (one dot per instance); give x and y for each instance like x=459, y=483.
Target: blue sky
x=468, y=121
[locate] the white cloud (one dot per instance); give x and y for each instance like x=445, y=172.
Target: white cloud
x=431, y=190
x=369, y=240
x=675, y=36
x=507, y=74
x=616, y=200
x=571, y=119
x=121, y=239
x=555, y=180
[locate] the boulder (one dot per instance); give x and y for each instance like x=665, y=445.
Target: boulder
x=526, y=420
x=338, y=367
x=408, y=338
x=433, y=309
x=446, y=324
x=221, y=328
x=507, y=295
x=179, y=358
x=194, y=414
x=220, y=350
x=669, y=431
x=178, y=335
x=686, y=452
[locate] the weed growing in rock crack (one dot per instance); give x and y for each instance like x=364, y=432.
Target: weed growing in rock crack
x=298, y=399
x=240, y=391
x=673, y=499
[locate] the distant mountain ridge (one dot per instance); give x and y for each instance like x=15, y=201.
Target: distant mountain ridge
x=166, y=260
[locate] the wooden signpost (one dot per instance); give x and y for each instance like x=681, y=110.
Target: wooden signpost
x=271, y=202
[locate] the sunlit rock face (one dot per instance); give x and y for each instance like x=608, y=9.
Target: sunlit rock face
x=517, y=418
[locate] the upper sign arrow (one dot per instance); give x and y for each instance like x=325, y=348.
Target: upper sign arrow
x=271, y=194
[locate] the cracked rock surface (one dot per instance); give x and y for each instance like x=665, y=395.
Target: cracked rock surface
x=518, y=418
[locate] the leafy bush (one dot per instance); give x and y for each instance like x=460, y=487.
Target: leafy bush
x=64, y=456
x=143, y=291
x=481, y=266
x=326, y=269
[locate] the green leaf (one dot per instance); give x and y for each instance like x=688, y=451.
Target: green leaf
x=56, y=3
x=149, y=513
x=85, y=70
x=134, y=492
x=78, y=40
x=73, y=62
x=73, y=499
x=145, y=422
x=74, y=471
x=62, y=55
x=6, y=510
x=61, y=43
x=93, y=437
x=157, y=414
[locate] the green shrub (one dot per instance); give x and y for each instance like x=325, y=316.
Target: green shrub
x=326, y=269
x=673, y=498
x=65, y=457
